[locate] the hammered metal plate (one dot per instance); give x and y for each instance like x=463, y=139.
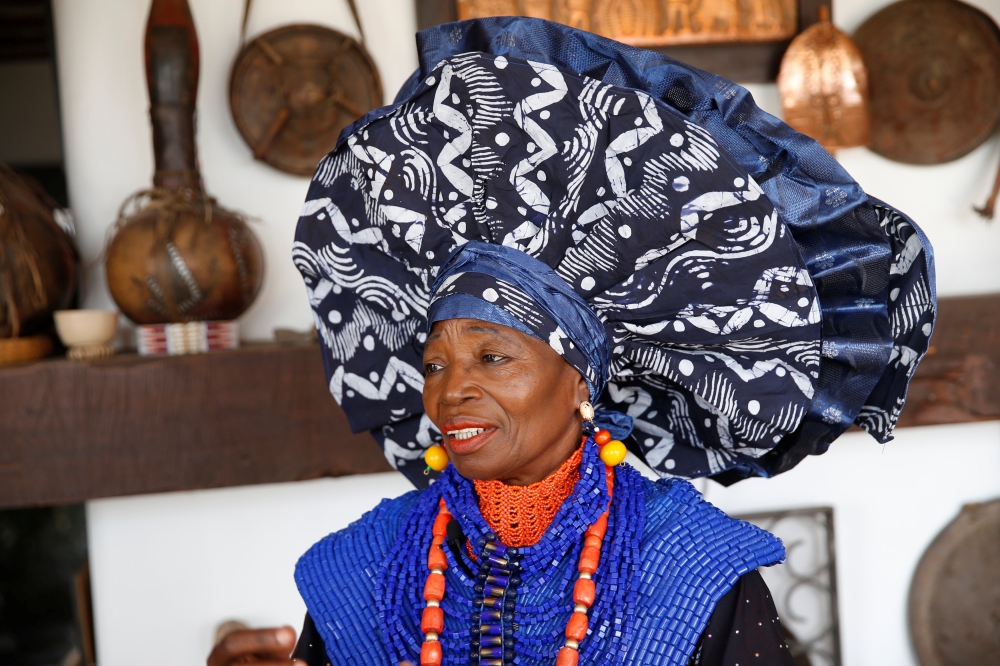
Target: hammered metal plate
x=934, y=78
x=295, y=88
x=955, y=594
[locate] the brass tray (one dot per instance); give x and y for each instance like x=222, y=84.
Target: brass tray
x=934, y=79
x=955, y=594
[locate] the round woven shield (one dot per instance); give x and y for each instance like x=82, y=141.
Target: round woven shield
x=955, y=594
x=294, y=88
x=934, y=79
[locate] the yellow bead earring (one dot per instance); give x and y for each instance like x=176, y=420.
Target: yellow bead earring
x=436, y=458
x=611, y=451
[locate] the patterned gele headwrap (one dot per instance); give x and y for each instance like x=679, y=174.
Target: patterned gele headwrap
x=755, y=301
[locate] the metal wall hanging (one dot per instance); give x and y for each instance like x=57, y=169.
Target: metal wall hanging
x=986, y=210
x=176, y=255
x=824, y=87
x=293, y=89
x=934, y=78
x=955, y=593
x=804, y=587
x=655, y=22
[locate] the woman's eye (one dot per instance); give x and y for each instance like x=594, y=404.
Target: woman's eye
x=492, y=358
x=431, y=368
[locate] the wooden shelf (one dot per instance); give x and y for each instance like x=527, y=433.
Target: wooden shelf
x=262, y=414
x=130, y=425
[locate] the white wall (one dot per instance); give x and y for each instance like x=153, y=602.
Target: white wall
x=168, y=568
x=889, y=503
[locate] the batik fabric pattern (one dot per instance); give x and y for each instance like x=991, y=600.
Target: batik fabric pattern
x=742, y=278
x=669, y=556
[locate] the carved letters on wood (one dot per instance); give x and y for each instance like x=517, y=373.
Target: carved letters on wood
x=655, y=22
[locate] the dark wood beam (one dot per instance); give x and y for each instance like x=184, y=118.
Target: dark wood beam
x=130, y=425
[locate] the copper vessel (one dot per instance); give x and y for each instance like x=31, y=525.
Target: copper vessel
x=176, y=255
x=823, y=85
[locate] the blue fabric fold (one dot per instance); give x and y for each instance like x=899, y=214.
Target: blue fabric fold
x=522, y=289
x=619, y=425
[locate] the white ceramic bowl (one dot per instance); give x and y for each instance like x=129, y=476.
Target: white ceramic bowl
x=85, y=328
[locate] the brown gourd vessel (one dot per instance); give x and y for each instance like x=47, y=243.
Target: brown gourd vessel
x=177, y=255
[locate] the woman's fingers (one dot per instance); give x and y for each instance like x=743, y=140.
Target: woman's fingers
x=259, y=646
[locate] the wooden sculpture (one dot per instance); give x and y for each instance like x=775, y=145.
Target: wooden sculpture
x=177, y=255
x=655, y=22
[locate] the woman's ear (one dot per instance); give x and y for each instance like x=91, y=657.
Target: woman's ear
x=582, y=391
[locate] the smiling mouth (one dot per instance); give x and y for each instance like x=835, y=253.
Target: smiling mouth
x=465, y=433
x=463, y=441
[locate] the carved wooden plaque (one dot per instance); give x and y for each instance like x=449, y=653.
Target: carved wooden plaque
x=655, y=22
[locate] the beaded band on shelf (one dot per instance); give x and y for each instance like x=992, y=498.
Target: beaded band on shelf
x=493, y=624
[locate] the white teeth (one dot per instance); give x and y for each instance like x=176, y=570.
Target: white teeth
x=465, y=433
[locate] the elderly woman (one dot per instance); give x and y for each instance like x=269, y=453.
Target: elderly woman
x=547, y=222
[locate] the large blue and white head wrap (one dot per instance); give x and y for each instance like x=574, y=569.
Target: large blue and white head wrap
x=717, y=278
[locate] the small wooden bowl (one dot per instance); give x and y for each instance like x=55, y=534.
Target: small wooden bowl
x=87, y=333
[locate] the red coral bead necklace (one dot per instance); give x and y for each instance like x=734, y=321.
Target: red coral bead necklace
x=584, y=590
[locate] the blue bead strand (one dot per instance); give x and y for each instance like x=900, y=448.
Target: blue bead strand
x=495, y=604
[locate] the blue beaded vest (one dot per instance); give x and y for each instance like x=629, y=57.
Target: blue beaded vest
x=667, y=558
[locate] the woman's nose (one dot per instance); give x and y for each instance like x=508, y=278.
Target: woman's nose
x=458, y=385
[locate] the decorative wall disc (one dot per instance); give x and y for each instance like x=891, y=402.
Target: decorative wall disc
x=294, y=89
x=955, y=594
x=934, y=79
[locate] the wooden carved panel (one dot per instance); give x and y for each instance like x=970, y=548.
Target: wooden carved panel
x=656, y=22
x=958, y=381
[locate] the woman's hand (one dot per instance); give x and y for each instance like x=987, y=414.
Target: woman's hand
x=266, y=647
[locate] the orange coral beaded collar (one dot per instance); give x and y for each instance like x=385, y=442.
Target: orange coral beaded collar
x=520, y=514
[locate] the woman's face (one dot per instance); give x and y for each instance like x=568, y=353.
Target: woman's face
x=506, y=403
